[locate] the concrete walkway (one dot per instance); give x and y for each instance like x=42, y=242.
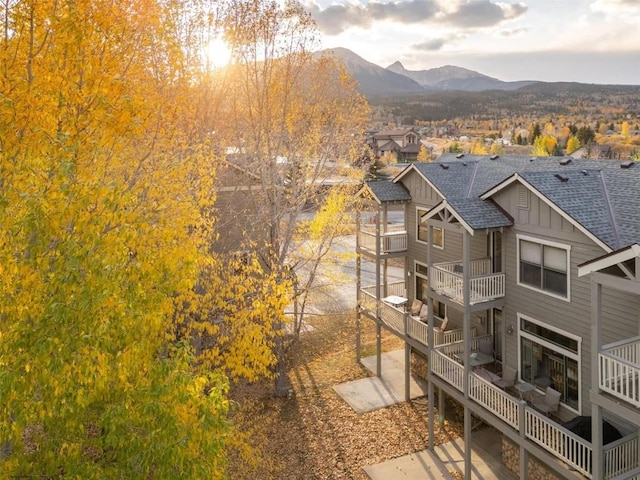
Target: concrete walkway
x=372, y=393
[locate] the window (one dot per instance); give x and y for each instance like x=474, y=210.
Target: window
x=544, y=266
x=423, y=230
x=550, y=358
x=439, y=309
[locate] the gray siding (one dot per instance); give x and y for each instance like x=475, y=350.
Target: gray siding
x=574, y=316
x=423, y=196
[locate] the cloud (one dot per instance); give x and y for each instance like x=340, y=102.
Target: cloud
x=483, y=13
x=337, y=18
x=513, y=32
x=430, y=45
x=617, y=7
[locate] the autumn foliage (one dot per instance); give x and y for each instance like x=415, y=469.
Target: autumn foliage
x=105, y=188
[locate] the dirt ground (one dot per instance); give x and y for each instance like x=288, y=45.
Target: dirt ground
x=314, y=434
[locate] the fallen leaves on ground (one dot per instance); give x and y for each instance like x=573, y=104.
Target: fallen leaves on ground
x=314, y=434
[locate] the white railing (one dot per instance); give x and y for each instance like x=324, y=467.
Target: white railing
x=619, y=370
x=451, y=284
x=447, y=368
x=495, y=400
x=621, y=456
x=368, y=298
x=393, y=317
x=564, y=444
x=418, y=330
x=477, y=267
x=390, y=241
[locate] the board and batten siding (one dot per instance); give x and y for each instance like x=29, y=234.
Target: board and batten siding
x=540, y=221
x=425, y=197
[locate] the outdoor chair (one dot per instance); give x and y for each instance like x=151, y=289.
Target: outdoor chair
x=415, y=307
x=508, y=379
x=422, y=315
x=547, y=403
x=442, y=327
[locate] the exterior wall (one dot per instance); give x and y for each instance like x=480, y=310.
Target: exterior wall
x=423, y=196
x=574, y=316
x=239, y=220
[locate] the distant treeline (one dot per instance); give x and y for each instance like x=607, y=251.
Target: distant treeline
x=538, y=99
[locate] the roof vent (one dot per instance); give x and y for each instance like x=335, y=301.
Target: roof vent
x=460, y=155
x=464, y=164
x=532, y=159
x=562, y=178
x=494, y=157
x=566, y=161
x=627, y=164
x=444, y=166
x=584, y=172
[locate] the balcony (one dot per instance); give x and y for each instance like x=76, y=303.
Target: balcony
x=619, y=370
x=393, y=240
x=399, y=321
x=621, y=458
x=448, y=279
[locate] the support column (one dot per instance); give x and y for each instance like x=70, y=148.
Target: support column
x=430, y=336
x=358, y=288
x=524, y=455
x=378, y=327
x=407, y=371
x=466, y=333
x=596, y=412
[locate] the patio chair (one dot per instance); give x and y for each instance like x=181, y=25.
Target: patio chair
x=422, y=315
x=442, y=327
x=547, y=403
x=508, y=379
x=415, y=307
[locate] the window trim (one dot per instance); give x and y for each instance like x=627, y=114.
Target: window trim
x=426, y=277
x=420, y=211
x=549, y=243
x=554, y=346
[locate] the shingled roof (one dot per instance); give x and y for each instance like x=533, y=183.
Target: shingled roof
x=597, y=195
x=385, y=192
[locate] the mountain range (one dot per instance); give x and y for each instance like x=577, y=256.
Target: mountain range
x=374, y=80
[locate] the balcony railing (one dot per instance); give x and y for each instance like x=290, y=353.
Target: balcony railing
x=619, y=370
x=400, y=321
x=393, y=240
x=620, y=457
x=448, y=279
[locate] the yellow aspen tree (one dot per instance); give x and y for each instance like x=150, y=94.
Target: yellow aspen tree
x=573, y=144
x=423, y=155
x=106, y=189
x=296, y=118
x=624, y=130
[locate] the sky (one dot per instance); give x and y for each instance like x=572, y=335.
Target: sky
x=588, y=41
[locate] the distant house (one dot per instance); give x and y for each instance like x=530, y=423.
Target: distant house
x=238, y=194
x=404, y=142
x=520, y=299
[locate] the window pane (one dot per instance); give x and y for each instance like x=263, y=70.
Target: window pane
x=531, y=274
x=422, y=269
x=421, y=289
x=555, y=258
x=530, y=252
x=555, y=282
x=438, y=237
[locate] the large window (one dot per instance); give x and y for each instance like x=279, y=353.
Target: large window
x=421, y=272
x=550, y=358
x=423, y=230
x=544, y=266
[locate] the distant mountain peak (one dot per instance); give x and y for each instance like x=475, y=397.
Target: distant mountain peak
x=396, y=66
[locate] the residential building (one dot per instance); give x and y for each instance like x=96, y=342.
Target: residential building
x=403, y=142
x=524, y=265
